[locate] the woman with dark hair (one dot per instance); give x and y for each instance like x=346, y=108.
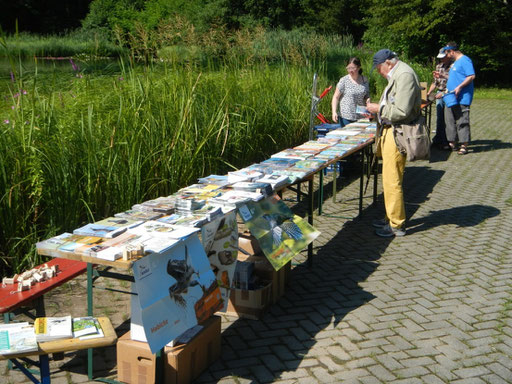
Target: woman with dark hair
x=352, y=90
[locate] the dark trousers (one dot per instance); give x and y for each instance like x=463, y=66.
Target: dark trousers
x=440, y=137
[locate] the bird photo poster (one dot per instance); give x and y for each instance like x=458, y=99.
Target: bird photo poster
x=280, y=233
x=176, y=290
x=220, y=241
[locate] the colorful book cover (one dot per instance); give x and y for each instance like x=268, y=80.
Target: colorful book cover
x=119, y=222
x=220, y=242
x=158, y=228
x=84, y=326
x=93, y=229
x=280, y=233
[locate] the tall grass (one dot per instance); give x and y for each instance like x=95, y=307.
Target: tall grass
x=26, y=45
x=81, y=144
x=84, y=150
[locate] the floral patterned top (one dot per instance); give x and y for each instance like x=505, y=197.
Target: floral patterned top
x=352, y=95
x=443, y=76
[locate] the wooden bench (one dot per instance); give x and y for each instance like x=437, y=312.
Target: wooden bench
x=11, y=299
x=60, y=346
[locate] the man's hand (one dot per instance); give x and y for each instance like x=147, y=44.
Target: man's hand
x=372, y=107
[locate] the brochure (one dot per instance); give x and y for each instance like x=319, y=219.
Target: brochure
x=17, y=338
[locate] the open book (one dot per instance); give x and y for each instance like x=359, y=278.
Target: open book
x=17, y=338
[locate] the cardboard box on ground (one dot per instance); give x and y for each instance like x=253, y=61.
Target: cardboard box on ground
x=182, y=363
x=253, y=303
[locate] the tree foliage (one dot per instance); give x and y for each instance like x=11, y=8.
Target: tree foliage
x=415, y=28
x=418, y=28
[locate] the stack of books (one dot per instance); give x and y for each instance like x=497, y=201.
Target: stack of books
x=163, y=205
x=221, y=180
x=244, y=174
x=251, y=186
x=275, y=180
x=139, y=215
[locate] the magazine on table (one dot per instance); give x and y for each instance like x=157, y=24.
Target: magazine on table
x=120, y=222
x=99, y=230
x=139, y=215
x=17, y=338
x=275, y=179
x=254, y=186
x=53, y=328
x=160, y=229
x=86, y=328
x=53, y=243
x=80, y=243
x=244, y=175
x=221, y=180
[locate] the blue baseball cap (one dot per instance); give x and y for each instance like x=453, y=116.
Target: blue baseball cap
x=381, y=56
x=451, y=48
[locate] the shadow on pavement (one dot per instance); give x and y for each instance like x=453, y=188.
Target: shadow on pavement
x=463, y=216
x=317, y=299
x=488, y=145
x=437, y=155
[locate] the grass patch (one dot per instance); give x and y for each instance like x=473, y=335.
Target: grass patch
x=493, y=93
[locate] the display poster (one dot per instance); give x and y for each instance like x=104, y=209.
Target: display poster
x=280, y=233
x=176, y=290
x=220, y=240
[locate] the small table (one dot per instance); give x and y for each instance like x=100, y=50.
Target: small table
x=11, y=299
x=61, y=346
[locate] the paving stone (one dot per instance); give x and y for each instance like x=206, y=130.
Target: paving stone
x=425, y=308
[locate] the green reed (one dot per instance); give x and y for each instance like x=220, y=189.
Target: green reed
x=85, y=148
x=84, y=143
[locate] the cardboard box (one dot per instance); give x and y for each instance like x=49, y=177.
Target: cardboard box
x=250, y=304
x=135, y=362
x=187, y=361
x=182, y=363
x=248, y=243
x=265, y=271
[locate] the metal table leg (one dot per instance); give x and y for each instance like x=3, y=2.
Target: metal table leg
x=310, y=219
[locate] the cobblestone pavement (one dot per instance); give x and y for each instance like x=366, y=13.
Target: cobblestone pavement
x=431, y=307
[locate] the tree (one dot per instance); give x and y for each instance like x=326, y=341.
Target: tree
x=42, y=16
x=418, y=28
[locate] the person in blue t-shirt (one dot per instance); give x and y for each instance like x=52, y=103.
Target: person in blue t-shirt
x=458, y=98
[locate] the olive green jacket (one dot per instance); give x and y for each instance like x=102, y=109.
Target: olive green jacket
x=403, y=96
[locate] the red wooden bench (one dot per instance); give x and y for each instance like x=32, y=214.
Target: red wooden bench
x=11, y=299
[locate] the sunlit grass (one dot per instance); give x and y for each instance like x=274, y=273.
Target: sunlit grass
x=493, y=93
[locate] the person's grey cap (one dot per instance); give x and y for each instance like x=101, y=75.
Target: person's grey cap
x=381, y=56
x=441, y=53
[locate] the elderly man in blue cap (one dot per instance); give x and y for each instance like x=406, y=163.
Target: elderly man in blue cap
x=400, y=103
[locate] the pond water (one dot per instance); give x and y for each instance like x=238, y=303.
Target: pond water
x=63, y=65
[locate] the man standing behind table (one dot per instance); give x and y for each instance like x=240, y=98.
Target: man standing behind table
x=458, y=98
x=440, y=78
x=400, y=103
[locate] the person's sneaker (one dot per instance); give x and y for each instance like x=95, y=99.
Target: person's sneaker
x=379, y=223
x=389, y=231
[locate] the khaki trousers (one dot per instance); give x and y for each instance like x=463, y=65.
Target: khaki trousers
x=393, y=166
